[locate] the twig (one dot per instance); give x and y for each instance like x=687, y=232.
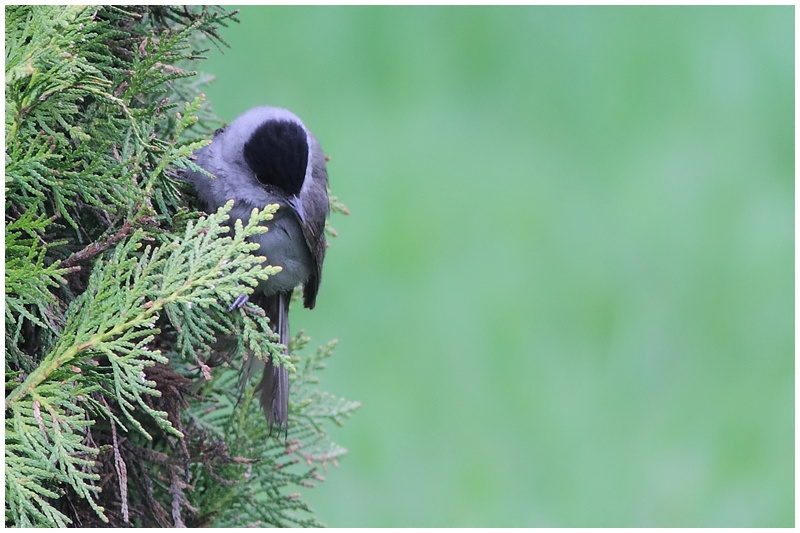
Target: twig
x=97, y=248
x=122, y=471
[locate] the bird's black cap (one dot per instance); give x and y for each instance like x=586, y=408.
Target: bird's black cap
x=277, y=152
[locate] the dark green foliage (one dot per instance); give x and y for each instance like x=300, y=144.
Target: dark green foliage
x=122, y=381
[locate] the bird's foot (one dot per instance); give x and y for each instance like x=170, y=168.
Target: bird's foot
x=238, y=302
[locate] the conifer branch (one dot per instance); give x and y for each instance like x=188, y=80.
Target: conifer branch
x=117, y=290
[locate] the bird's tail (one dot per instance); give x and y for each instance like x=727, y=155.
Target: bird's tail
x=274, y=387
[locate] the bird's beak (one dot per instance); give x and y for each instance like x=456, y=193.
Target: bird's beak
x=297, y=205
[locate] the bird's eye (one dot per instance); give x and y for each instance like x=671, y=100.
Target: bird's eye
x=219, y=130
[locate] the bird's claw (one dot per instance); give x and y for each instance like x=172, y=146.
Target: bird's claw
x=238, y=302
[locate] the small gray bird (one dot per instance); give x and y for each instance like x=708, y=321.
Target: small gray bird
x=268, y=156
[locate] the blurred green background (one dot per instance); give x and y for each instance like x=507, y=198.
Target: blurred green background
x=564, y=295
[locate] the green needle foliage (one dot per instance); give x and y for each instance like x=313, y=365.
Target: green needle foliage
x=124, y=402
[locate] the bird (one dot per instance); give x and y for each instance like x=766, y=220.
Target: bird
x=268, y=156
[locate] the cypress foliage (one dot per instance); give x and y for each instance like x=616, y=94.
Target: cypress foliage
x=122, y=383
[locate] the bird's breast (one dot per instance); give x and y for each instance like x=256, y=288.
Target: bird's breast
x=284, y=245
